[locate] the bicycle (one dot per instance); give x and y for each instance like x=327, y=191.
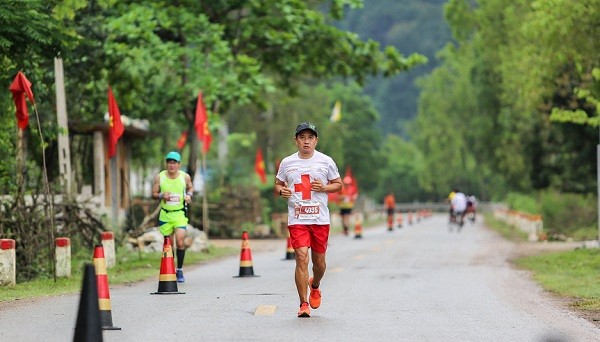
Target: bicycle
x=455, y=223
x=471, y=217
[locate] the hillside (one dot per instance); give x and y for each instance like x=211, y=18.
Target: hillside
x=411, y=26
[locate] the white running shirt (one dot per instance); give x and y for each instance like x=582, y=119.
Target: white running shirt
x=306, y=206
x=459, y=202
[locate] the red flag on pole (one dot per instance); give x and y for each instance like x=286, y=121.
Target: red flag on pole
x=19, y=88
x=259, y=166
x=115, y=126
x=182, y=140
x=201, y=124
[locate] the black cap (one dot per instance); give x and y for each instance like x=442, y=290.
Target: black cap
x=307, y=125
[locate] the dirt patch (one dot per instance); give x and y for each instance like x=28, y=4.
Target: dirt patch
x=523, y=249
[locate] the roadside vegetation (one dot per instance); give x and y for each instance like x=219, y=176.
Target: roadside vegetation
x=571, y=274
x=506, y=119
x=131, y=267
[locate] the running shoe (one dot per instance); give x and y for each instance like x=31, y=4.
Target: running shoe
x=180, y=278
x=315, y=295
x=304, y=310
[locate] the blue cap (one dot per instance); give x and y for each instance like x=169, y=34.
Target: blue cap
x=173, y=155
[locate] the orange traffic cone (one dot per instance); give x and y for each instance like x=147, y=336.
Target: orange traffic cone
x=246, y=269
x=87, y=327
x=357, y=230
x=103, y=292
x=167, y=280
x=290, y=254
x=400, y=220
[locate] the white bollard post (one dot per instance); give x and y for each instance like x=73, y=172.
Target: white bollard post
x=108, y=243
x=62, y=256
x=8, y=259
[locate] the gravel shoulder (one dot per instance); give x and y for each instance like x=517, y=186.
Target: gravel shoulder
x=523, y=249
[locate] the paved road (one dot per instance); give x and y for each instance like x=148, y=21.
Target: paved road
x=418, y=283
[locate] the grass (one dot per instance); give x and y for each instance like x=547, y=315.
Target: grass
x=131, y=267
x=574, y=274
x=507, y=231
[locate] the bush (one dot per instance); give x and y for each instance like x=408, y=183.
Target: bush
x=524, y=203
x=564, y=214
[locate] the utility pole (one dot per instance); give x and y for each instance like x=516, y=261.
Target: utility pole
x=64, y=150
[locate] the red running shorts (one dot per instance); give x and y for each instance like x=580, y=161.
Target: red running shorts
x=314, y=236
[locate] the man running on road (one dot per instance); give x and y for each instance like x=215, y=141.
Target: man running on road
x=304, y=179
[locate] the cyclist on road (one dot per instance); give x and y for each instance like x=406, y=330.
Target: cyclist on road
x=458, y=205
x=471, y=207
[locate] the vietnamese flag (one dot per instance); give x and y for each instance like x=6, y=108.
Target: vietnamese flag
x=259, y=166
x=19, y=88
x=182, y=140
x=201, y=124
x=115, y=126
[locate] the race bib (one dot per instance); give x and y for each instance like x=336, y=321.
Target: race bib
x=174, y=200
x=307, y=210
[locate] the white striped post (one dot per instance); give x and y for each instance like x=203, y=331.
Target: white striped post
x=108, y=244
x=8, y=258
x=62, y=256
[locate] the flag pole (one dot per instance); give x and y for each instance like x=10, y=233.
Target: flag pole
x=205, y=195
x=47, y=190
x=20, y=163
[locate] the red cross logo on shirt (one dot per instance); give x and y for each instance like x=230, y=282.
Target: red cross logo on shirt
x=304, y=187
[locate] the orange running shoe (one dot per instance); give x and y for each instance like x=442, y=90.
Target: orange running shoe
x=315, y=295
x=304, y=310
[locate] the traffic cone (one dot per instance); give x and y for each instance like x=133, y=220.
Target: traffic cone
x=103, y=293
x=400, y=220
x=357, y=230
x=167, y=280
x=246, y=269
x=87, y=327
x=290, y=254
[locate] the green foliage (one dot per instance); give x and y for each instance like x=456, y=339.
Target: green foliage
x=400, y=170
x=564, y=214
x=485, y=113
x=570, y=214
x=408, y=26
x=524, y=203
x=572, y=274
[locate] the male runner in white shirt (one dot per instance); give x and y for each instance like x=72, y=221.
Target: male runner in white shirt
x=304, y=179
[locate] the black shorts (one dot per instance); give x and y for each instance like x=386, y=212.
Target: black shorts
x=346, y=211
x=390, y=211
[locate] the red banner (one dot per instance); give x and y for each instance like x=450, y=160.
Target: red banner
x=19, y=88
x=182, y=140
x=259, y=166
x=115, y=126
x=201, y=124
